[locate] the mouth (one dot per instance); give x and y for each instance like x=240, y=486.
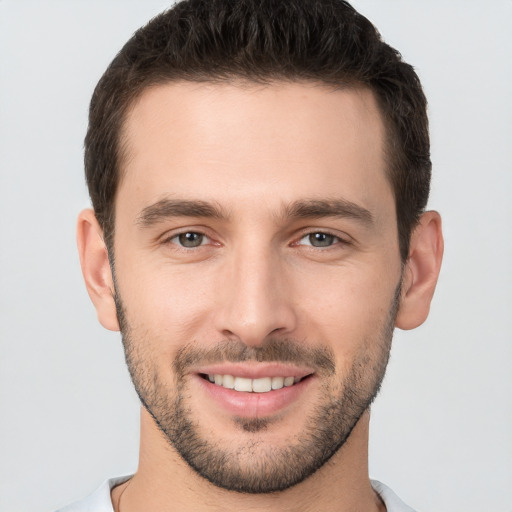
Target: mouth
x=248, y=385
x=254, y=390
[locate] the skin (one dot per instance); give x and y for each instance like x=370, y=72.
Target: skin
x=254, y=151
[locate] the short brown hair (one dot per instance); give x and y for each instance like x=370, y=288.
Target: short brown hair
x=324, y=41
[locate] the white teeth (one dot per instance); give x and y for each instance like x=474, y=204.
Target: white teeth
x=261, y=385
x=277, y=382
x=242, y=384
x=228, y=381
x=288, y=381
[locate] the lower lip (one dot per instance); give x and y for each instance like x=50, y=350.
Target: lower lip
x=254, y=405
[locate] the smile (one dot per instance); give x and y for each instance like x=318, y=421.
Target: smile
x=260, y=385
x=254, y=390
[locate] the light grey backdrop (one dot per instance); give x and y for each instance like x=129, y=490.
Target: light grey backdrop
x=441, y=429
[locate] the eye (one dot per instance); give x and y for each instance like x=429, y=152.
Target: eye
x=319, y=239
x=189, y=239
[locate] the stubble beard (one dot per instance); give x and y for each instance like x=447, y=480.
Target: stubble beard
x=256, y=467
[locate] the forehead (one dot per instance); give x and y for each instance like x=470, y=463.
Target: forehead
x=230, y=142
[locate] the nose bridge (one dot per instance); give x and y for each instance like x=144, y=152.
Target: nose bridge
x=255, y=301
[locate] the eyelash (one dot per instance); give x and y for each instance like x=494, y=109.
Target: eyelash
x=169, y=240
x=336, y=240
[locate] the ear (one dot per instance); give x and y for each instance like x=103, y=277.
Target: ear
x=421, y=271
x=96, y=269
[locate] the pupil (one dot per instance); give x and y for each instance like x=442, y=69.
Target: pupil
x=191, y=239
x=321, y=239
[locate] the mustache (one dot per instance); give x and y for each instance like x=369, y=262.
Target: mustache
x=273, y=350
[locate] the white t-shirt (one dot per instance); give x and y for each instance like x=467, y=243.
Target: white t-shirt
x=100, y=501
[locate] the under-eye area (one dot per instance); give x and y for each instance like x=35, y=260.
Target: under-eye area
x=260, y=385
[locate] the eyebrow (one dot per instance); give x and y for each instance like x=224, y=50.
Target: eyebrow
x=169, y=208
x=302, y=209
x=341, y=208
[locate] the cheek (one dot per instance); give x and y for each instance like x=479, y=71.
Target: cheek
x=167, y=301
x=345, y=308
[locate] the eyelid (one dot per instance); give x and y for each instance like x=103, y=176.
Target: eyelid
x=168, y=236
x=204, y=240
x=341, y=238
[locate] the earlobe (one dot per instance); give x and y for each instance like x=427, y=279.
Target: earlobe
x=96, y=268
x=421, y=271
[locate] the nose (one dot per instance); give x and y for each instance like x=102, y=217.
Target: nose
x=255, y=299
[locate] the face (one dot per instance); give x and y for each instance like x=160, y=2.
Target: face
x=257, y=272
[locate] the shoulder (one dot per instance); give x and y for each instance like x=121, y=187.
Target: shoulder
x=99, y=500
x=391, y=500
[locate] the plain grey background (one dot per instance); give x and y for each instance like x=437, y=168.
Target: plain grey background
x=441, y=429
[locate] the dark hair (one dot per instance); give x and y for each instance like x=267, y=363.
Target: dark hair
x=324, y=41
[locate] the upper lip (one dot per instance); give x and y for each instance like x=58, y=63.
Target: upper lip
x=254, y=370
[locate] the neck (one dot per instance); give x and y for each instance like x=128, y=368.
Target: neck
x=166, y=483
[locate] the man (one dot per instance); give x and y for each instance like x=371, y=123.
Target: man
x=259, y=172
